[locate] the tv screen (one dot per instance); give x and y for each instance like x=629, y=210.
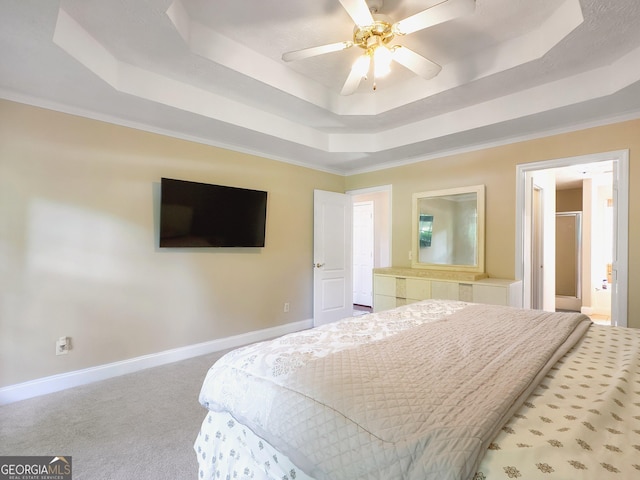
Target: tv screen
x=194, y=214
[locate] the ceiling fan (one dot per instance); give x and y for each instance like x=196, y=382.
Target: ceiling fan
x=374, y=32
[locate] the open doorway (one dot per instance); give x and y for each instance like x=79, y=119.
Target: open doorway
x=599, y=185
x=371, y=241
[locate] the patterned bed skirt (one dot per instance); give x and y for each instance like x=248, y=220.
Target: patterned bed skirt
x=226, y=449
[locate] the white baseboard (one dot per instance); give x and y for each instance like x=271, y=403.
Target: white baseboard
x=55, y=383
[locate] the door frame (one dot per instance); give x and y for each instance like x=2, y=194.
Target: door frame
x=378, y=189
x=381, y=188
x=537, y=246
x=620, y=159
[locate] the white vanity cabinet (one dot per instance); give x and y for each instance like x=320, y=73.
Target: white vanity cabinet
x=393, y=287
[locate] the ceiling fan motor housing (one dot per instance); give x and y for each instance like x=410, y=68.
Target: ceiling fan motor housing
x=380, y=31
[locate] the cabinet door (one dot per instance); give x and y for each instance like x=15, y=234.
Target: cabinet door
x=418, y=289
x=384, y=285
x=444, y=290
x=491, y=294
x=383, y=302
x=465, y=292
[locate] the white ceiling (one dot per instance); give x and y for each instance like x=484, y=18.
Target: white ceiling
x=211, y=71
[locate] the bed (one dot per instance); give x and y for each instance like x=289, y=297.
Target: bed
x=432, y=390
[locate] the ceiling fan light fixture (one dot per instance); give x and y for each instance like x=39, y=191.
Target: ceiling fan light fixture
x=361, y=66
x=382, y=58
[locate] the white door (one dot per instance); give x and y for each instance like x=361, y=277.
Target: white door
x=546, y=181
x=332, y=257
x=363, y=236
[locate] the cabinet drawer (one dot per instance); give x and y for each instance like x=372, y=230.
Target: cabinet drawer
x=418, y=289
x=383, y=285
x=445, y=290
x=384, y=302
x=494, y=295
x=465, y=292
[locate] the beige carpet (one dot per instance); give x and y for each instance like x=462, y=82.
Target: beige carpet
x=135, y=427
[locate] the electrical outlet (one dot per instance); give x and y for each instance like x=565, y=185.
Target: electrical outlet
x=286, y=307
x=63, y=345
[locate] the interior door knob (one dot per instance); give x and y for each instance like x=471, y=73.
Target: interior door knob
x=318, y=265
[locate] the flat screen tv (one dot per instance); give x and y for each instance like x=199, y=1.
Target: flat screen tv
x=194, y=214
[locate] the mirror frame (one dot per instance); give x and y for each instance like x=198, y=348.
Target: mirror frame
x=415, y=219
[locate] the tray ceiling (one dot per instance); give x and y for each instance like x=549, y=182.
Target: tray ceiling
x=211, y=71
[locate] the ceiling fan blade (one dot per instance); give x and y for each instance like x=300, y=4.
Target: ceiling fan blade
x=440, y=13
x=358, y=71
x=416, y=63
x=313, y=51
x=359, y=12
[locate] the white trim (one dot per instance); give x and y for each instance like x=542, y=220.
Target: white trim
x=380, y=188
x=619, y=309
x=364, y=191
x=63, y=381
x=507, y=140
x=337, y=170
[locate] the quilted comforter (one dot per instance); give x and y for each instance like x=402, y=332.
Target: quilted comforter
x=420, y=396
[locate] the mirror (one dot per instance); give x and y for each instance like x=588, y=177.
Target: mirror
x=448, y=229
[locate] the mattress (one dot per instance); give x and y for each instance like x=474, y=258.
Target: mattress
x=555, y=429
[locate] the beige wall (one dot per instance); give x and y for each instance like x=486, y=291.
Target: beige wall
x=569, y=200
x=78, y=235
x=496, y=169
x=79, y=255
x=475, y=168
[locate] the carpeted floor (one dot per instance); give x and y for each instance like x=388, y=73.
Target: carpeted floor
x=135, y=427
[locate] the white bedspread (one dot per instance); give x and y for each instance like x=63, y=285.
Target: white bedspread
x=227, y=449
x=252, y=399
